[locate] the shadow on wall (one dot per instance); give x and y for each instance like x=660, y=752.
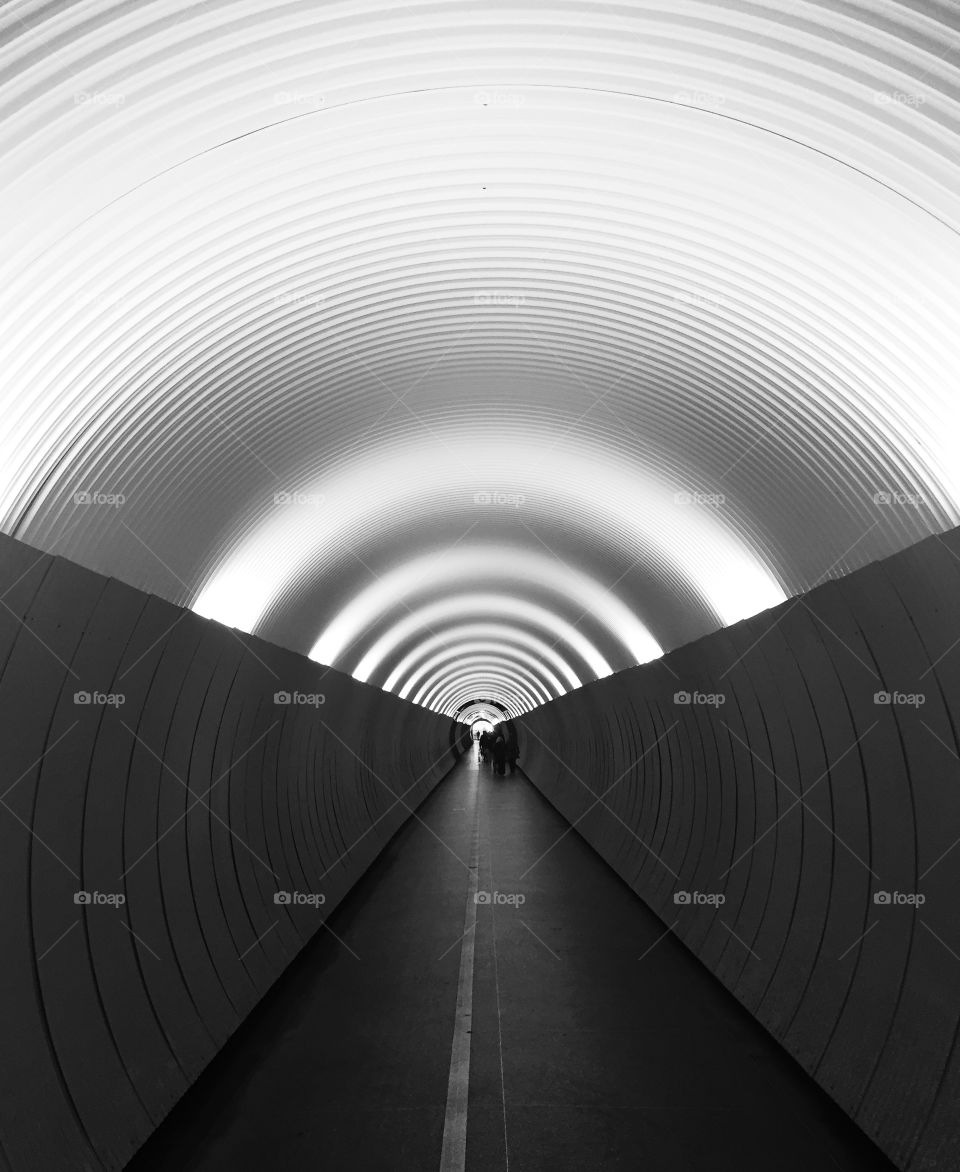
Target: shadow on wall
x=784, y=794
x=183, y=805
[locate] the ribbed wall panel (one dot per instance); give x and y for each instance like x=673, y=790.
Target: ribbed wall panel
x=798, y=798
x=198, y=798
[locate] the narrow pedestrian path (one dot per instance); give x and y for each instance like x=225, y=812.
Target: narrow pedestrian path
x=529, y=1013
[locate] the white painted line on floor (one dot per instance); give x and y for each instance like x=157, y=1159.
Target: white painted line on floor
x=453, y=1155
x=496, y=979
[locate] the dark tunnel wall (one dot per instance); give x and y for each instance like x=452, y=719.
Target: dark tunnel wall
x=110, y=1010
x=799, y=797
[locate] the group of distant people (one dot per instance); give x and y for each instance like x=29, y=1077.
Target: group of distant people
x=498, y=749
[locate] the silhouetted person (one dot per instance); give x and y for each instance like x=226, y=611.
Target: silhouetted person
x=500, y=755
x=512, y=751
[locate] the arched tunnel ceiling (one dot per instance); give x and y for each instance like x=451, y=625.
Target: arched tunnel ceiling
x=397, y=331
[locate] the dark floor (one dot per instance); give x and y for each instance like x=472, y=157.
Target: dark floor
x=583, y=1055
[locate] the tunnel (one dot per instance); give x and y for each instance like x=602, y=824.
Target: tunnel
x=480, y=585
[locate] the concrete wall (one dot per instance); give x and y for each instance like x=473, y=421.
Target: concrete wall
x=197, y=799
x=798, y=798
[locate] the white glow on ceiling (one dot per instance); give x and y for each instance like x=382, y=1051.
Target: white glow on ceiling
x=485, y=606
x=478, y=708
x=515, y=696
x=445, y=664
x=485, y=715
x=501, y=635
x=379, y=491
x=504, y=684
x=460, y=569
x=396, y=257
x=526, y=670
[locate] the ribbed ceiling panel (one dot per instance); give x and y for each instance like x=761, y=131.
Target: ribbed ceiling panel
x=381, y=329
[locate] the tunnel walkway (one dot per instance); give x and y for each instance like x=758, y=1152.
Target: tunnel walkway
x=597, y=1040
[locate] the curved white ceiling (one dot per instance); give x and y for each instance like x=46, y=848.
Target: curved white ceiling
x=480, y=712
x=414, y=666
x=507, y=680
x=593, y=325
x=541, y=619
x=438, y=666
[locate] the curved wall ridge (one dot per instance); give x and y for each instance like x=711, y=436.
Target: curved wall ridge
x=183, y=805
x=783, y=793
